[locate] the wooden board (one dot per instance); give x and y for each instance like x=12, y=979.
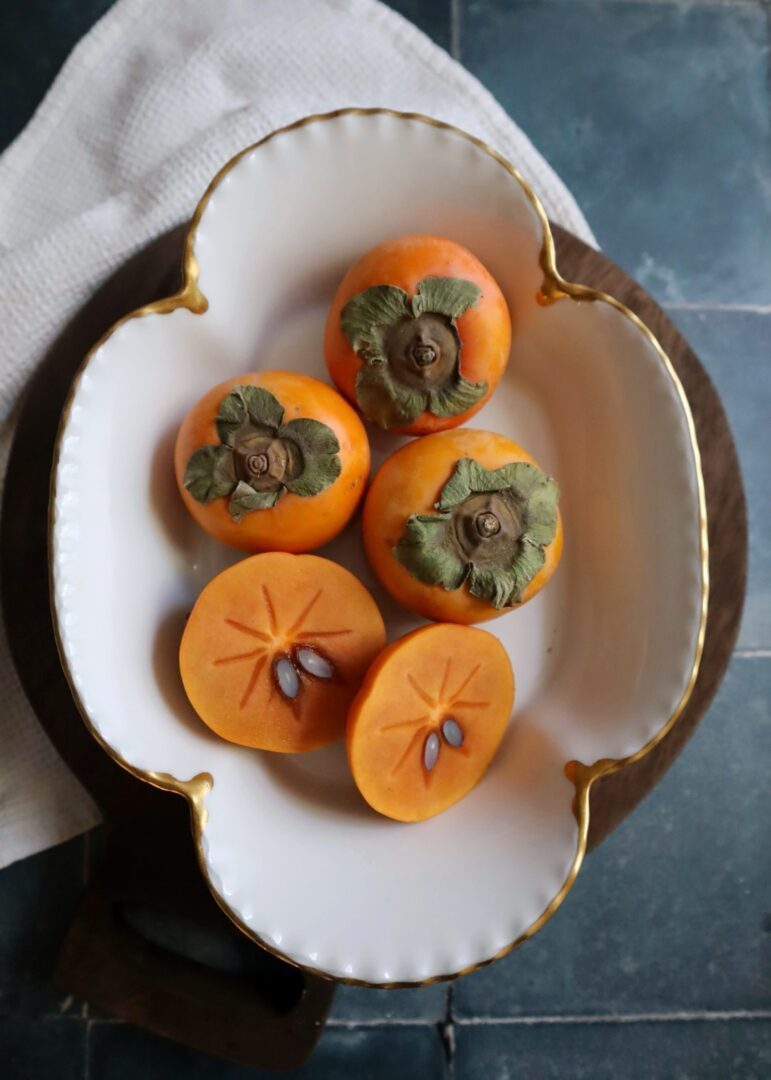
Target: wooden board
x=615, y=796
x=100, y=960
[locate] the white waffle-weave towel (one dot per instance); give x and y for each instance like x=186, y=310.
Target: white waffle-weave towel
x=147, y=108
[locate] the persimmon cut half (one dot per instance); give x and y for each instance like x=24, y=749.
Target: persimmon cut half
x=272, y=461
x=428, y=719
x=462, y=526
x=275, y=649
x=418, y=334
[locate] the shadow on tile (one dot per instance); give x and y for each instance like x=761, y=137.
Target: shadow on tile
x=427, y=1003
x=120, y=1052
x=38, y=897
x=431, y=16
x=42, y=1049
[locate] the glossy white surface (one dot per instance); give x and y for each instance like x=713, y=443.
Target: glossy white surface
x=602, y=656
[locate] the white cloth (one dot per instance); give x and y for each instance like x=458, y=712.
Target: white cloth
x=146, y=109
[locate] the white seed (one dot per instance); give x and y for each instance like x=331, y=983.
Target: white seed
x=315, y=664
x=452, y=732
x=287, y=678
x=430, y=751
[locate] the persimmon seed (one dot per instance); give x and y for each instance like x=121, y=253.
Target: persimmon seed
x=287, y=678
x=431, y=751
x=452, y=732
x=313, y=663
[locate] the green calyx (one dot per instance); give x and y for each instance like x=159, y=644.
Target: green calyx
x=259, y=458
x=410, y=350
x=491, y=531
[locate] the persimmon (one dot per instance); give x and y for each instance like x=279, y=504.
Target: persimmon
x=462, y=526
x=276, y=647
x=418, y=334
x=428, y=719
x=272, y=461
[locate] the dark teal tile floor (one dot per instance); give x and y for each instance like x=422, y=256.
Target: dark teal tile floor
x=694, y=1050
x=658, y=966
x=31, y=1050
x=38, y=897
x=656, y=116
x=408, y=1052
x=669, y=913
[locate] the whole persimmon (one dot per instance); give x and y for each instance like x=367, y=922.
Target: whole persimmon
x=462, y=526
x=418, y=334
x=272, y=461
x=428, y=719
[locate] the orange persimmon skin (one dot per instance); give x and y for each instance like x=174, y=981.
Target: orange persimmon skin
x=296, y=523
x=484, y=330
x=410, y=482
x=260, y=610
x=432, y=674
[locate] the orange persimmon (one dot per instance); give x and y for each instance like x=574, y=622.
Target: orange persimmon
x=462, y=526
x=418, y=334
x=428, y=719
x=276, y=647
x=272, y=461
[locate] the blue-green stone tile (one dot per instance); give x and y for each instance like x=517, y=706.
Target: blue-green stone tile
x=42, y=1049
x=735, y=348
x=37, y=36
x=735, y=1050
x=431, y=16
x=670, y=914
x=38, y=897
x=121, y=1052
x=656, y=116
x=426, y=1003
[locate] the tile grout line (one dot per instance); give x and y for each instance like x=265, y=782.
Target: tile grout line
x=447, y=1032
x=624, y=1018
x=523, y=1021
x=455, y=29
x=84, y=1012
x=517, y=1021
x=383, y=1021
x=87, y=1050
x=752, y=654
x=704, y=3
x=704, y=305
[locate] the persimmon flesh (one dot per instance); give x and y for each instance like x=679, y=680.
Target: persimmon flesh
x=428, y=719
x=276, y=647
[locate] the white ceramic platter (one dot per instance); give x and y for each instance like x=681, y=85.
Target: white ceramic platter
x=605, y=657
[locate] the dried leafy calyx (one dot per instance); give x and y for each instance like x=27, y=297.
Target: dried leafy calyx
x=491, y=531
x=410, y=348
x=259, y=457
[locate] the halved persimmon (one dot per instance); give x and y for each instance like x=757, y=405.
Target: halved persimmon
x=276, y=647
x=418, y=334
x=428, y=719
x=462, y=526
x=272, y=461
